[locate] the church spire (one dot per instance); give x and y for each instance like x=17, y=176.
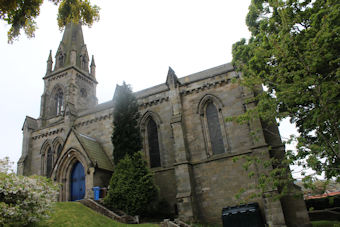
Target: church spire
x=72, y=50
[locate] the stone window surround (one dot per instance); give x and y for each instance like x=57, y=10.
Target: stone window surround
x=52, y=104
x=143, y=128
x=201, y=110
x=43, y=153
x=58, y=141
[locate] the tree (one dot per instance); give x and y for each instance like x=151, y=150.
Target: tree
x=21, y=14
x=132, y=187
x=24, y=200
x=126, y=137
x=294, y=52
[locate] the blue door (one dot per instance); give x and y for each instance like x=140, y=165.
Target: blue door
x=77, y=182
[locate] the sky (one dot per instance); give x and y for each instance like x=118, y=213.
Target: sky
x=134, y=41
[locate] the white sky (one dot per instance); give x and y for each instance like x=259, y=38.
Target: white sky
x=134, y=40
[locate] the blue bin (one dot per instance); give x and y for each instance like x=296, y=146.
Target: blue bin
x=96, y=191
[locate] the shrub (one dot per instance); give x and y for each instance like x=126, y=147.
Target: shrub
x=24, y=200
x=132, y=186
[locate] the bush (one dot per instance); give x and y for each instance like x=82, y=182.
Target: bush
x=132, y=186
x=24, y=200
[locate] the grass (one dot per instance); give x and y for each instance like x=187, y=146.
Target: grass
x=325, y=223
x=69, y=214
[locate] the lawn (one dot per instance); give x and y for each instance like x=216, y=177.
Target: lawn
x=326, y=224
x=75, y=214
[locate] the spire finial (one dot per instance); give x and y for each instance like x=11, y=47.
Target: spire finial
x=92, y=61
x=49, y=63
x=93, y=67
x=171, y=79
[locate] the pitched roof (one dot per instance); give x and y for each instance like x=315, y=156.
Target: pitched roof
x=327, y=194
x=95, y=152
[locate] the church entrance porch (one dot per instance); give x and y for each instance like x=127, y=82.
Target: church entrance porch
x=77, y=182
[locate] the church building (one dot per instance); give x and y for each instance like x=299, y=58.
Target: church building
x=186, y=141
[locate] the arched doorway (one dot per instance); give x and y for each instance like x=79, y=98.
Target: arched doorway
x=77, y=182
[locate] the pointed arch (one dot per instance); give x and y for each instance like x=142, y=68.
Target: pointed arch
x=60, y=57
x=62, y=171
x=150, y=130
x=209, y=98
x=214, y=133
x=147, y=115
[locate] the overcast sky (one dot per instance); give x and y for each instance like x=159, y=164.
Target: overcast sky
x=134, y=40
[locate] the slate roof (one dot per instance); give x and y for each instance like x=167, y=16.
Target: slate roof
x=95, y=152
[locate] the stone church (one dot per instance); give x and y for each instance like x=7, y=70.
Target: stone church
x=187, y=142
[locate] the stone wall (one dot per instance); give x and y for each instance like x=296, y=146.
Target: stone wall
x=191, y=177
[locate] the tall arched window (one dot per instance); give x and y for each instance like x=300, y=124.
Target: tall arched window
x=214, y=133
x=49, y=161
x=153, y=143
x=214, y=129
x=59, y=101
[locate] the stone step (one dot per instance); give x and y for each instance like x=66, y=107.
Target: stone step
x=175, y=223
x=121, y=217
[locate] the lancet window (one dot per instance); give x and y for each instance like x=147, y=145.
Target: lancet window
x=59, y=101
x=214, y=128
x=49, y=161
x=153, y=143
x=215, y=137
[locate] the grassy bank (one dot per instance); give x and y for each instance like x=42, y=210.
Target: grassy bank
x=69, y=214
x=326, y=224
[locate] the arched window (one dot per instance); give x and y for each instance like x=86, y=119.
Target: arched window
x=214, y=129
x=212, y=119
x=59, y=148
x=155, y=160
x=49, y=162
x=59, y=101
x=60, y=60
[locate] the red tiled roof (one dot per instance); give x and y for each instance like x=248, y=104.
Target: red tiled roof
x=324, y=195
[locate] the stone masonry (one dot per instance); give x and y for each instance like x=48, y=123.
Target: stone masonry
x=194, y=177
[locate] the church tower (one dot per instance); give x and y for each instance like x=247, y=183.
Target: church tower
x=69, y=86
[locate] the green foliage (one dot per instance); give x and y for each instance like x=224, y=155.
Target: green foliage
x=294, y=51
x=77, y=11
x=24, y=200
x=21, y=14
x=132, y=187
x=126, y=137
x=270, y=175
